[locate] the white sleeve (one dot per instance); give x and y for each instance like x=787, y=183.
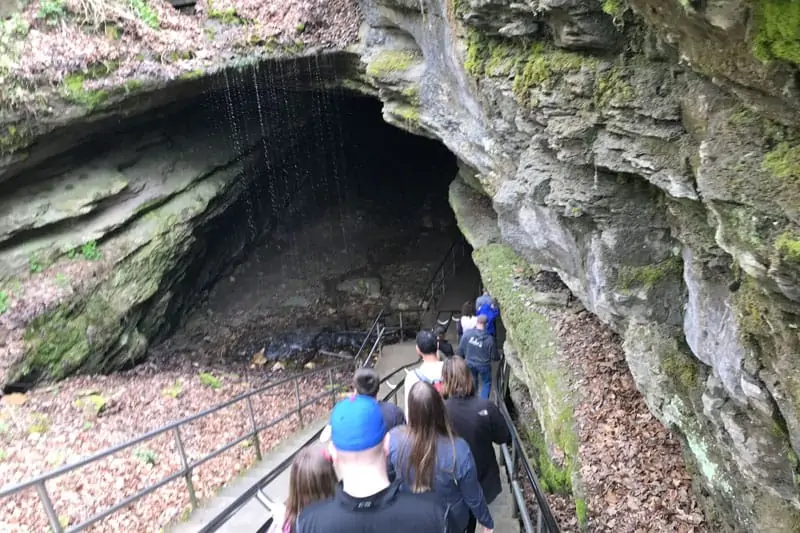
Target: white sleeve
x=278, y=515
x=325, y=436
x=411, y=378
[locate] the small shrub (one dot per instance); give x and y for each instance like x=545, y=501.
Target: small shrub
x=4, y=302
x=51, y=11
x=209, y=380
x=175, y=390
x=3, y=455
x=147, y=456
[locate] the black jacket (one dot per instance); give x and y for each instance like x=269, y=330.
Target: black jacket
x=446, y=348
x=480, y=423
x=389, y=510
x=392, y=415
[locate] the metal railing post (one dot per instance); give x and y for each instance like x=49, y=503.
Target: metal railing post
x=256, y=440
x=402, y=332
x=333, y=388
x=299, y=403
x=52, y=517
x=187, y=472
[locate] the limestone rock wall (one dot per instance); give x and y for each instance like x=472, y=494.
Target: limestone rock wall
x=646, y=153
x=157, y=214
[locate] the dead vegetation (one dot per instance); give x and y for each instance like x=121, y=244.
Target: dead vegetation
x=86, y=51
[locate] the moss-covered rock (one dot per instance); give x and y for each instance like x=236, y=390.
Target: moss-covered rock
x=548, y=378
x=389, y=62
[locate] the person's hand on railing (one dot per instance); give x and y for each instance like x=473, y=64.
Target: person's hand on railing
x=487, y=530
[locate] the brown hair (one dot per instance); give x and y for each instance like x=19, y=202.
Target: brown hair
x=427, y=421
x=468, y=308
x=457, y=380
x=312, y=478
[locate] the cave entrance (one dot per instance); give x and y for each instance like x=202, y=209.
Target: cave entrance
x=261, y=212
x=339, y=215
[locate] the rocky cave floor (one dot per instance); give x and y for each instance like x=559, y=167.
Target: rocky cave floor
x=632, y=468
x=268, y=294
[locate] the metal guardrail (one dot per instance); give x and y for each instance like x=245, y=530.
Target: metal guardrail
x=187, y=466
x=515, y=460
x=257, y=490
x=436, y=286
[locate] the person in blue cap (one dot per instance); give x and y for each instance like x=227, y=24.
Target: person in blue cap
x=366, y=501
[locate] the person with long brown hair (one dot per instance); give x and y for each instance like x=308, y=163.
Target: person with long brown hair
x=367, y=501
x=477, y=421
x=425, y=456
x=311, y=479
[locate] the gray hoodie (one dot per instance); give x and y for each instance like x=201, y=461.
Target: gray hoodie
x=477, y=347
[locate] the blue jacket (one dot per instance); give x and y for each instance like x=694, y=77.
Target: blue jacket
x=455, y=481
x=492, y=313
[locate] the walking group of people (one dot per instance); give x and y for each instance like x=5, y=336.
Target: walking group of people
x=429, y=469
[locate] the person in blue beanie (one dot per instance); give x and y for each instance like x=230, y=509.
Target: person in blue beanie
x=366, y=501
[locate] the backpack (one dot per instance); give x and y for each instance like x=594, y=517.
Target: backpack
x=437, y=383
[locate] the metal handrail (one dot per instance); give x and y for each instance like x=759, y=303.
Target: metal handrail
x=38, y=482
x=273, y=474
x=515, y=455
x=436, y=286
x=372, y=328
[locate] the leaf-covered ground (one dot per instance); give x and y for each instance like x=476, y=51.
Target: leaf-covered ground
x=54, y=426
x=631, y=466
x=82, y=49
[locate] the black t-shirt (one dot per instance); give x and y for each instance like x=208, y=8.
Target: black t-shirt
x=386, y=511
x=446, y=348
x=392, y=415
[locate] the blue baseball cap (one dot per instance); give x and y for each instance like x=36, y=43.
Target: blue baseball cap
x=357, y=424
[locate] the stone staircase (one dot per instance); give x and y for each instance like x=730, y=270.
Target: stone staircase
x=502, y=508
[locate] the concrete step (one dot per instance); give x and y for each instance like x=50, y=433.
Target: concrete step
x=502, y=507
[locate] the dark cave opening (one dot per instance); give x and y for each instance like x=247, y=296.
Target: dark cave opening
x=306, y=193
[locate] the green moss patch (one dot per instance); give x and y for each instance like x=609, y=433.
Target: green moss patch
x=612, y=87
x=615, y=8
x=788, y=246
x=14, y=137
x=542, y=64
x=492, y=56
x=649, y=275
x=531, y=63
x=530, y=332
x=408, y=114
x=391, y=61
x=226, y=16
x=783, y=161
x=778, y=30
